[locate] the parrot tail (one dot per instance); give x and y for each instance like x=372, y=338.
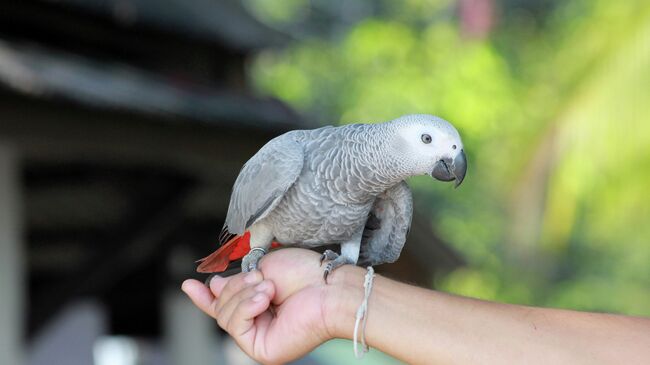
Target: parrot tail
x=236, y=248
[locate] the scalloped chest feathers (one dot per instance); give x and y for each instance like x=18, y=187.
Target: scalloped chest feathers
x=331, y=199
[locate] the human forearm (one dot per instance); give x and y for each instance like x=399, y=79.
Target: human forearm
x=423, y=326
x=415, y=325
x=402, y=319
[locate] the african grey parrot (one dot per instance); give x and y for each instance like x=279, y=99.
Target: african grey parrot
x=336, y=185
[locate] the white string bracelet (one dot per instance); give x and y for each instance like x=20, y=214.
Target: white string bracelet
x=362, y=314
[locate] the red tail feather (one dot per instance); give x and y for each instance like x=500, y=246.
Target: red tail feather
x=232, y=250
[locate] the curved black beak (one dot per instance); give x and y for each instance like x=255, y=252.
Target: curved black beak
x=449, y=170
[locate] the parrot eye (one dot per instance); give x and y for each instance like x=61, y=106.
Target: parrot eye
x=426, y=138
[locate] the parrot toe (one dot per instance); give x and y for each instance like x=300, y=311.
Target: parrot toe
x=328, y=255
x=332, y=265
x=250, y=261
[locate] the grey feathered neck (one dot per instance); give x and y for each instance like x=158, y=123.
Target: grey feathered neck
x=374, y=148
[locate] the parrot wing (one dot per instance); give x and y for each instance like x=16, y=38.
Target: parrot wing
x=387, y=226
x=260, y=186
x=262, y=182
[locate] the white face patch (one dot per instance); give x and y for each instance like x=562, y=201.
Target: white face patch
x=414, y=134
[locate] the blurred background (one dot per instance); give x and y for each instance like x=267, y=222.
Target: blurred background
x=123, y=124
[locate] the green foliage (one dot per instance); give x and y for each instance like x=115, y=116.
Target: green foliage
x=556, y=207
x=277, y=11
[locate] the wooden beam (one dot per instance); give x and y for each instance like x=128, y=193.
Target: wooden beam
x=62, y=132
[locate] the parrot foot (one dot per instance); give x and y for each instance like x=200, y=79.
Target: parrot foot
x=338, y=261
x=328, y=255
x=250, y=261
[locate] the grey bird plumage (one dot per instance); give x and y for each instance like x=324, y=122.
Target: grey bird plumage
x=341, y=185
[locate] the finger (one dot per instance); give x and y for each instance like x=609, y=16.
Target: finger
x=242, y=320
x=233, y=285
x=217, y=283
x=227, y=309
x=200, y=295
x=226, y=287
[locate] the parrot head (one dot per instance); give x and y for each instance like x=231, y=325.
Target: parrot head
x=430, y=145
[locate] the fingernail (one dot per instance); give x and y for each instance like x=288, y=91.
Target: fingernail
x=183, y=286
x=262, y=286
x=259, y=297
x=210, y=278
x=252, y=277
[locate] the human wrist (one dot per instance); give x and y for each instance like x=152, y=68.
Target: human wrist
x=343, y=294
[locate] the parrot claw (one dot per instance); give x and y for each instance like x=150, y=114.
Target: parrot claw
x=250, y=261
x=332, y=265
x=328, y=255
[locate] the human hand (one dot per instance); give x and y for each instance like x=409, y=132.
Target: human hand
x=280, y=316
